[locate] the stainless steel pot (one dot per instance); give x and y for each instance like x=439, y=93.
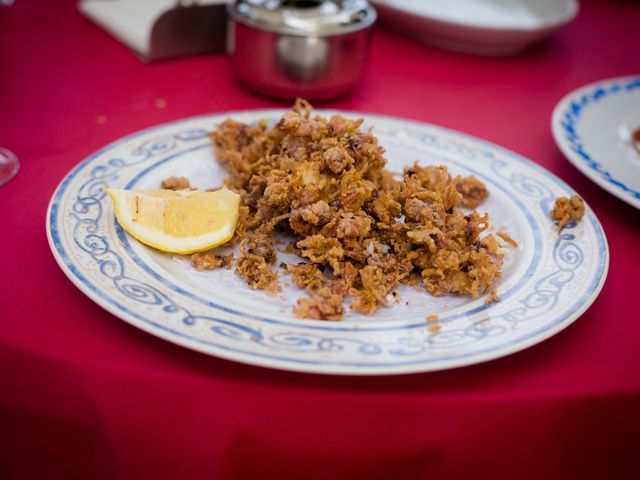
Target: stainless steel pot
x=313, y=49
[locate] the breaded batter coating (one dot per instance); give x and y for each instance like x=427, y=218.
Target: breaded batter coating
x=322, y=305
x=361, y=231
x=176, y=183
x=567, y=210
x=473, y=192
x=209, y=261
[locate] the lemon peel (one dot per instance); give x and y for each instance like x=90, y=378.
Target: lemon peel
x=181, y=221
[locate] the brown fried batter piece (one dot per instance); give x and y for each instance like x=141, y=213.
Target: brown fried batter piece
x=373, y=292
x=254, y=264
x=473, y=192
x=322, y=305
x=566, y=210
x=361, y=231
x=318, y=213
x=255, y=271
x=209, y=261
x=308, y=276
x=322, y=250
x=467, y=272
x=507, y=238
x=176, y=183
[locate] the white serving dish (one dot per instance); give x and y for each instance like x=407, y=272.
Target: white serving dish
x=485, y=27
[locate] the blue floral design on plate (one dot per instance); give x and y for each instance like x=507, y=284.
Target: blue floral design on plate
x=570, y=133
x=562, y=276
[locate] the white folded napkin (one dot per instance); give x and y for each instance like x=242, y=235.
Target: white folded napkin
x=133, y=22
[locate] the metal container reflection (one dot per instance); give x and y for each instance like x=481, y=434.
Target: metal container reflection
x=288, y=49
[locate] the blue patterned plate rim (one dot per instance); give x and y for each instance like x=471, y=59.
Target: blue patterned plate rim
x=366, y=365
x=337, y=326
x=565, y=126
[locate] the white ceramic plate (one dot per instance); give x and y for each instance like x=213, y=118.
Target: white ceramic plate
x=548, y=281
x=486, y=27
x=593, y=126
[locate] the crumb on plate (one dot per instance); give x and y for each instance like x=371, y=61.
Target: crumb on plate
x=209, y=261
x=176, y=183
x=567, y=210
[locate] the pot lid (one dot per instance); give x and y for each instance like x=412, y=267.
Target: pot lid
x=304, y=17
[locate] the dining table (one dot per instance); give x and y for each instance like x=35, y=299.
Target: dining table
x=84, y=395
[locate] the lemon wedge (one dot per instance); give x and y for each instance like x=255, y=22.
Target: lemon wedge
x=181, y=221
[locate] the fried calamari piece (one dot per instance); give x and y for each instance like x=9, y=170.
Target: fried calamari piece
x=374, y=290
x=507, y=238
x=322, y=250
x=432, y=184
x=343, y=282
x=473, y=192
x=209, y=261
x=361, y=230
x=260, y=243
x=353, y=226
x=255, y=271
x=308, y=276
x=176, y=183
x=254, y=264
x=322, y=305
x=385, y=207
x=471, y=272
x=306, y=217
x=567, y=210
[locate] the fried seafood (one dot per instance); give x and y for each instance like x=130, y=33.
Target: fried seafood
x=176, y=183
x=362, y=231
x=209, y=261
x=473, y=192
x=567, y=210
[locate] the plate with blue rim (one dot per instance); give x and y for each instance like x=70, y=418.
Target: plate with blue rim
x=594, y=128
x=547, y=282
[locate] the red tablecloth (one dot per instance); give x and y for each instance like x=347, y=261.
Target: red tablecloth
x=84, y=395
